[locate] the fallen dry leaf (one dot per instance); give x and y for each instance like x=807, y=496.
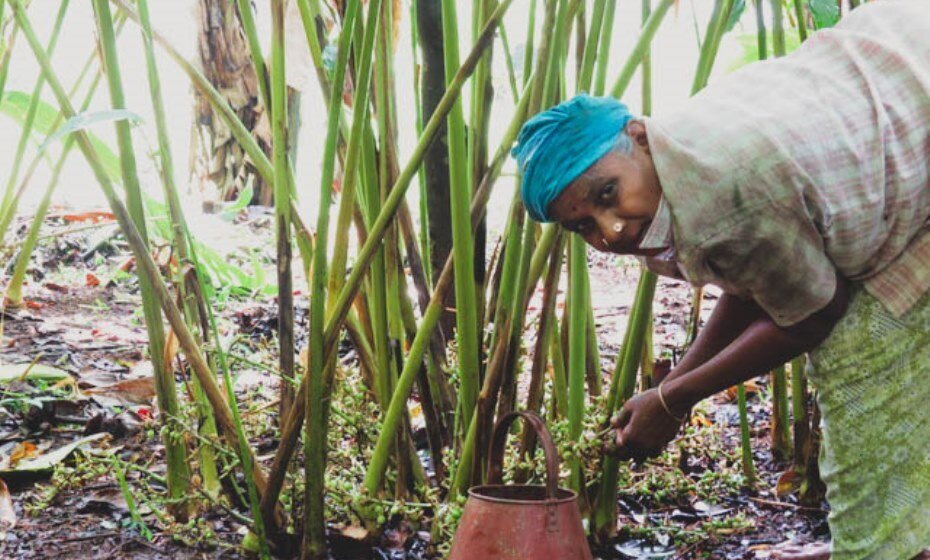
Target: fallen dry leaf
x=92, y=280
x=51, y=457
x=751, y=387
x=24, y=450
x=136, y=391
x=171, y=349
x=90, y=216
x=788, y=483
x=7, y=512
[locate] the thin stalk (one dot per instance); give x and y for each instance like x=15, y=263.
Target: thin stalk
x=463, y=247
x=622, y=386
x=778, y=29
x=749, y=470
x=352, y=166
x=761, y=46
x=314, y=544
x=547, y=317
x=559, y=371
x=7, y=56
x=528, y=44
x=600, y=79
x=378, y=464
x=14, y=293
x=592, y=44
x=282, y=202
x=227, y=416
x=694, y=317
x=577, y=338
x=293, y=420
x=207, y=425
x=247, y=18
x=39, y=156
x=647, y=64
x=178, y=473
x=801, y=16
x=781, y=434
x=715, y=30
x=802, y=425
x=508, y=59
x=642, y=44
x=9, y=203
x=421, y=175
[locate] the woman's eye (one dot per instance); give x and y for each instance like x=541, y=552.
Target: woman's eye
x=607, y=191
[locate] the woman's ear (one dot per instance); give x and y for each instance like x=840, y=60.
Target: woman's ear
x=636, y=130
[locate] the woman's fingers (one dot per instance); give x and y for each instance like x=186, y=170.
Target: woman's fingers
x=622, y=418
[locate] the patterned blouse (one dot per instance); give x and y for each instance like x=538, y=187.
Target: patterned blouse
x=783, y=173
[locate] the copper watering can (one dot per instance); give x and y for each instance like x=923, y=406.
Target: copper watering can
x=520, y=522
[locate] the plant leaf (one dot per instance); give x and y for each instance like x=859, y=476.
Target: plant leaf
x=83, y=121
x=736, y=12
x=12, y=372
x=825, y=12
x=48, y=461
x=15, y=104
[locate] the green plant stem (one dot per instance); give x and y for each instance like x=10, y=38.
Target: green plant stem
x=377, y=466
x=802, y=19
x=14, y=293
x=315, y=439
x=463, y=248
x=749, y=470
x=6, y=57
x=528, y=44
x=761, y=41
x=223, y=405
x=600, y=79
x=9, y=203
x=781, y=434
x=801, y=420
x=294, y=418
x=642, y=44
x=577, y=339
x=207, y=425
x=175, y=450
x=778, y=28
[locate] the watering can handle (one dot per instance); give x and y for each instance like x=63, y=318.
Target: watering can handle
x=496, y=454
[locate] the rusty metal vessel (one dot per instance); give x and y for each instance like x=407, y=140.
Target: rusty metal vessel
x=520, y=522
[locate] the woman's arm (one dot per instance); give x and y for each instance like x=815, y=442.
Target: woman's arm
x=731, y=316
x=644, y=427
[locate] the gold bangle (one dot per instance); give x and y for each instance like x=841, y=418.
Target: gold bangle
x=667, y=409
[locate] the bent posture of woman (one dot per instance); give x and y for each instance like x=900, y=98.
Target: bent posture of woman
x=800, y=187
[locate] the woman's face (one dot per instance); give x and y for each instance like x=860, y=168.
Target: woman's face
x=611, y=205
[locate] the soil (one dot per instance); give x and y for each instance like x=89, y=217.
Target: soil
x=84, y=317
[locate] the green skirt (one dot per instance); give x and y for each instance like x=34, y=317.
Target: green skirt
x=873, y=380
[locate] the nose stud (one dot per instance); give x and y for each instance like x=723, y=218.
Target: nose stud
x=618, y=227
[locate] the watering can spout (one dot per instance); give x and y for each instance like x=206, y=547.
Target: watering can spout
x=520, y=522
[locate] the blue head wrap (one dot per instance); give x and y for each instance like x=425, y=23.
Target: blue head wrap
x=559, y=144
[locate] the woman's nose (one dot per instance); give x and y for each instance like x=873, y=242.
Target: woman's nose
x=611, y=227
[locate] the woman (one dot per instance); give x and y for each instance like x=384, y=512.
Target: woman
x=801, y=187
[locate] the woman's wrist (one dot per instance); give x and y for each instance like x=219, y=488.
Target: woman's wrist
x=678, y=397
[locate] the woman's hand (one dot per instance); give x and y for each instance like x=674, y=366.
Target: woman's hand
x=642, y=428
